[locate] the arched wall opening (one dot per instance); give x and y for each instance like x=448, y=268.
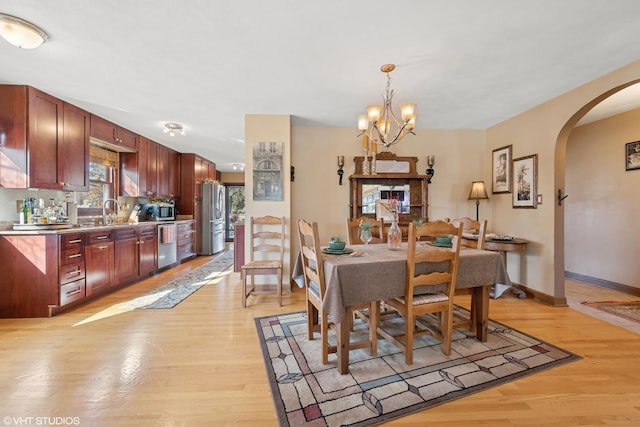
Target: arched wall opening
x=560, y=184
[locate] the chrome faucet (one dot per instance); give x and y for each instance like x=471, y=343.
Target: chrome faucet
x=116, y=206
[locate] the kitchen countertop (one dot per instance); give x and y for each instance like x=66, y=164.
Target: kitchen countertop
x=76, y=229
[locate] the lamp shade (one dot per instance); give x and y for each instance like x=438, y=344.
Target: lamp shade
x=21, y=33
x=478, y=191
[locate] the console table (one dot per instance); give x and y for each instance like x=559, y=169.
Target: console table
x=503, y=246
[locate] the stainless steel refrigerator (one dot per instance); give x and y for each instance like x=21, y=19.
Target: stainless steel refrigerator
x=212, y=217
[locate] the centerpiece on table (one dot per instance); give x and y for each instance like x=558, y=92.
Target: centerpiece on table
x=394, y=236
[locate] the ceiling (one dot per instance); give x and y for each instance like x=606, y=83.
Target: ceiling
x=207, y=63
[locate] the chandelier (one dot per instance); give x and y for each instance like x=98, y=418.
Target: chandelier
x=381, y=124
x=173, y=128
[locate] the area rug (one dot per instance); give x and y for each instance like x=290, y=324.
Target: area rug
x=629, y=310
x=379, y=389
x=177, y=290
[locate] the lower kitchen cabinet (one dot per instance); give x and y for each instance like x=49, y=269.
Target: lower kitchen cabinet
x=99, y=262
x=185, y=231
x=148, y=250
x=126, y=257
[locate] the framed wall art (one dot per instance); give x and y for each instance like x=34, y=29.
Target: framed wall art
x=525, y=182
x=632, y=151
x=502, y=172
x=267, y=171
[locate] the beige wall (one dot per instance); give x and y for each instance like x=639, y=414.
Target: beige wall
x=543, y=130
x=603, y=207
x=268, y=128
x=316, y=195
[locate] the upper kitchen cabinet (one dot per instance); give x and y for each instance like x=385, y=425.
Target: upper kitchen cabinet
x=109, y=132
x=51, y=135
x=193, y=171
x=168, y=172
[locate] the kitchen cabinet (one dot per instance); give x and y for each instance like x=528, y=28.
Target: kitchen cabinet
x=71, y=269
x=185, y=233
x=148, y=249
x=107, y=131
x=99, y=262
x=167, y=172
x=126, y=255
x=48, y=144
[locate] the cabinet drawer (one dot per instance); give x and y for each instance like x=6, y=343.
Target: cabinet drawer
x=71, y=292
x=100, y=237
x=126, y=233
x=70, y=241
x=70, y=256
x=146, y=230
x=70, y=272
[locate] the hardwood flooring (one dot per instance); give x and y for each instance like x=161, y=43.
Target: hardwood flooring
x=199, y=364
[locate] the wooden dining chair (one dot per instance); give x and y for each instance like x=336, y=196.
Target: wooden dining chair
x=479, y=229
x=314, y=279
x=353, y=230
x=428, y=289
x=266, y=252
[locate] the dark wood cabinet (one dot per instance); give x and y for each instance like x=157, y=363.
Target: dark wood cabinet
x=14, y=172
x=48, y=141
x=167, y=172
x=148, y=249
x=185, y=233
x=99, y=262
x=107, y=131
x=414, y=185
x=75, y=149
x=71, y=269
x=126, y=256
x=147, y=167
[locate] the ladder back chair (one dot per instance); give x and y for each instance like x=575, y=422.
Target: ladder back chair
x=479, y=229
x=429, y=288
x=315, y=285
x=266, y=254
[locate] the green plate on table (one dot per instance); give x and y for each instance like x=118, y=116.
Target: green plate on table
x=441, y=245
x=337, y=251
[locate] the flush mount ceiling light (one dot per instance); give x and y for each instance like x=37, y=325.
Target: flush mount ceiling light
x=381, y=124
x=21, y=33
x=173, y=128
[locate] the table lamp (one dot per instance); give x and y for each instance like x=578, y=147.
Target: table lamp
x=478, y=191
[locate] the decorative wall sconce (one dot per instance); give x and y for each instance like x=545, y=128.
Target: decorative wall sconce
x=431, y=160
x=340, y=166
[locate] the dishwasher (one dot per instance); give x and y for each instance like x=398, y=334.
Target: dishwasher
x=167, y=247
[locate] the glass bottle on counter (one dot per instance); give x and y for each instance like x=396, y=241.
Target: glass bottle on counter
x=24, y=212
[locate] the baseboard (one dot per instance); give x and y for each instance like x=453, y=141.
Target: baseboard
x=603, y=283
x=542, y=297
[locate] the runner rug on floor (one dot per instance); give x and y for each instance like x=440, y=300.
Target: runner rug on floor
x=629, y=310
x=177, y=290
x=382, y=388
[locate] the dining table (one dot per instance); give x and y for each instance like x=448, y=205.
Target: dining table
x=375, y=272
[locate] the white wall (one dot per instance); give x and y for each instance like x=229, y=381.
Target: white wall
x=603, y=203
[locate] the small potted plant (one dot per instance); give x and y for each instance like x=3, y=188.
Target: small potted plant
x=336, y=244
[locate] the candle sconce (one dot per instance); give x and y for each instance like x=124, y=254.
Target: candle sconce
x=340, y=171
x=430, y=172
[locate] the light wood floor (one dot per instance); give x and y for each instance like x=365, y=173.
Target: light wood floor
x=199, y=364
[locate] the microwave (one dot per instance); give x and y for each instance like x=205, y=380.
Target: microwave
x=157, y=212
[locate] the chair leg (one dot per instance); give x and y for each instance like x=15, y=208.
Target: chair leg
x=409, y=325
x=243, y=278
x=374, y=321
x=324, y=333
x=279, y=286
x=446, y=330
x=312, y=319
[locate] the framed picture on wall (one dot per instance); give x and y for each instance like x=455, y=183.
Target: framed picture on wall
x=525, y=182
x=632, y=151
x=502, y=173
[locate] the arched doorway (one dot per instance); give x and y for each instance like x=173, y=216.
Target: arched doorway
x=560, y=185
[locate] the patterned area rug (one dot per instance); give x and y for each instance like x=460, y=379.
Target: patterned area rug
x=176, y=291
x=629, y=310
x=382, y=388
